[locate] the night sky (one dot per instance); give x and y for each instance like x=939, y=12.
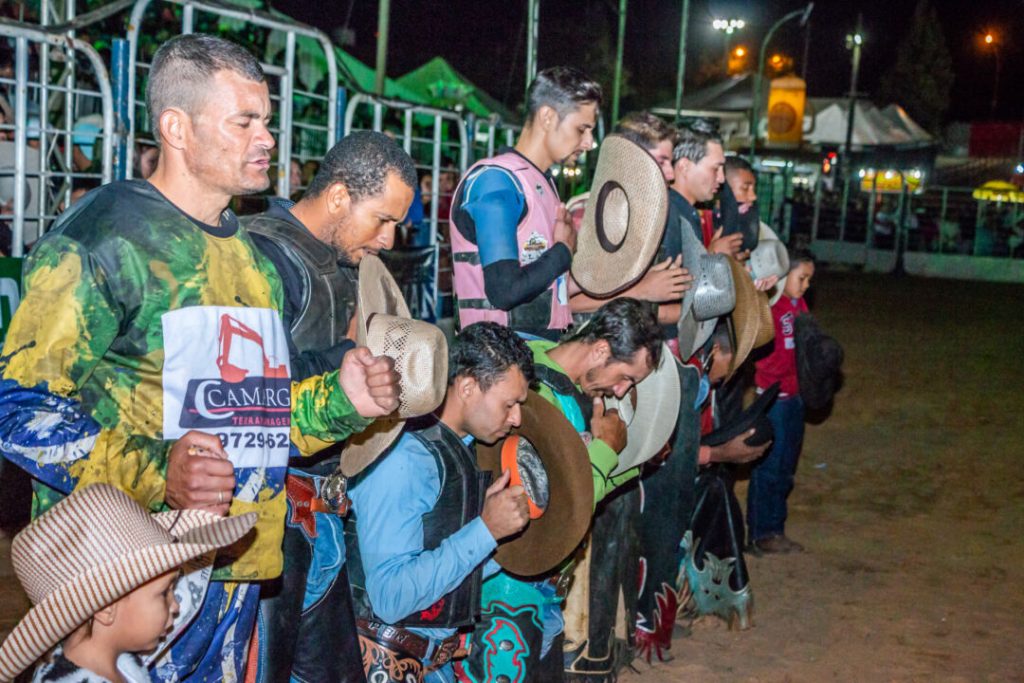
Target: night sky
x=485, y=40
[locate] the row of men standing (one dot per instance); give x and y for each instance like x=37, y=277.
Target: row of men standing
x=131, y=309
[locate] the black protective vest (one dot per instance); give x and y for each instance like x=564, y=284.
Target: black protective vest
x=329, y=287
x=461, y=500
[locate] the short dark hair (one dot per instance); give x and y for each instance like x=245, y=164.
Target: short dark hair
x=562, y=88
x=735, y=163
x=645, y=129
x=692, y=140
x=628, y=326
x=485, y=351
x=799, y=255
x=183, y=67
x=361, y=161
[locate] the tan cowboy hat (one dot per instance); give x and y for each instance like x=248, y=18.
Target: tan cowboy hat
x=650, y=415
x=90, y=550
x=623, y=221
x=711, y=294
x=548, y=456
x=420, y=352
x=775, y=293
x=746, y=316
x=766, y=325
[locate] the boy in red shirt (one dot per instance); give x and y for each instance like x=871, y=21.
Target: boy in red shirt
x=772, y=478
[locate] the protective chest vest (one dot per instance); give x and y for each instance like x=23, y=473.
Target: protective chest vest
x=461, y=500
x=534, y=235
x=328, y=287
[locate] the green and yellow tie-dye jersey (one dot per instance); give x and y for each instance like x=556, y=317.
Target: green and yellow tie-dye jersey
x=139, y=324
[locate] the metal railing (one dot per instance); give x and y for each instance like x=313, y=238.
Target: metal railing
x=306, y=115
x=63, y=113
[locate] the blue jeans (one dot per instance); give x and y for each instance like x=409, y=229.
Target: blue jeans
x=772, y=477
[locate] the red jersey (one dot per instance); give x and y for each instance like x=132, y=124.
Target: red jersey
x=780, y=364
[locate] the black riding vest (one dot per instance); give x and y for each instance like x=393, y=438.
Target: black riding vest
x=329, y=287
x=461, y=500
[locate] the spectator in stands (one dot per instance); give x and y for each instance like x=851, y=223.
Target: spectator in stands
x=87, y=139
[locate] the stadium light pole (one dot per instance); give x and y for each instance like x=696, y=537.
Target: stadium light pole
x=684, y=26
x=619, y=47
x=383, y=17
x=804, y=15
x=532, y=25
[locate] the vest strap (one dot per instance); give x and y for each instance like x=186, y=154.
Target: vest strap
x=470, y=257
x=477, y=303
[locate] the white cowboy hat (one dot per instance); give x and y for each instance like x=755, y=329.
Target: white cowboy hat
x=623, y=221
x=93, y=548
x=651, y=420
x=775, y=293
x=420, y=353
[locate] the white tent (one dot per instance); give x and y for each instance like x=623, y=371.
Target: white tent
x=871, y=125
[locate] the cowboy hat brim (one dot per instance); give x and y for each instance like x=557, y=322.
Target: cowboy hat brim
x=548, y=540
x=72, y=604
x=775, y=293
x=746, y=317
x=651, y=420
x=623, y=221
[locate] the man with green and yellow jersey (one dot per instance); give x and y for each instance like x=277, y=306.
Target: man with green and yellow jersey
x=618, y=347
x=150, y=352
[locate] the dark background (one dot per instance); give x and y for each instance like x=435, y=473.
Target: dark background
x=485, y=40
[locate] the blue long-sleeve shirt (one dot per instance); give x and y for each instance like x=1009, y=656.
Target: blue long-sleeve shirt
x=389, y=501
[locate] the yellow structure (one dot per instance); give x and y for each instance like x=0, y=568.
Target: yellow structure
x=786, y=101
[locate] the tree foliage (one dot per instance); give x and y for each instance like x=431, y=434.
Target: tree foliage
x=921, y=78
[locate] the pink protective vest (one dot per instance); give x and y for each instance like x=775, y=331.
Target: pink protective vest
x=535, y=235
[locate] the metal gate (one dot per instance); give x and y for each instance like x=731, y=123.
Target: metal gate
x=60, y=141
x=303, y=91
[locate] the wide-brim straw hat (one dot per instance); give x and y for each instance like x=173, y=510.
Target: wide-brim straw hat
x=90, y=550
x=766, y=325
x=420, y=353
x=711, y=294
x=746, y=316
x=650, y=415
x=550, y=538
x=775, y=293
x=623, y=221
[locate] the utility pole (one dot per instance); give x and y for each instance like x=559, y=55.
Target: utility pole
x=383, y=17
x=532, y=24
x=853, y=42
x=617, y=86
x=684, y=25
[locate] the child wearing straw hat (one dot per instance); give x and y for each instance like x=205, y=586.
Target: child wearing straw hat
x=100, y=572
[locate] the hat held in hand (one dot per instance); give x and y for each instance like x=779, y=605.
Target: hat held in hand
x=623, y=221
x=420, y=353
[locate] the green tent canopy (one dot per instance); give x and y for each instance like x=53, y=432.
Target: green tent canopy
x=438, y=83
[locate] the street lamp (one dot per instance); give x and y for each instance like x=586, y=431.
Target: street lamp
x=991, y=41
x=854, y=41
x=728, y=26
x=804, y=15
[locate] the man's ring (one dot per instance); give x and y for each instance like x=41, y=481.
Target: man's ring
x=220, y=497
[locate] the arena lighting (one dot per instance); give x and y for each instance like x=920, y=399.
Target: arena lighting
x=989, y=39
x=729, y=26
x=1019, y=169
x=861, y=173
x=739, y=51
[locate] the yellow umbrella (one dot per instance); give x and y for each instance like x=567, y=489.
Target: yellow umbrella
x=999, y=191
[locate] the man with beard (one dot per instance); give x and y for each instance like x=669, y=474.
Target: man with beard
x=149, y=352
x=360, y=193
x=512, y=244
x=618, y=347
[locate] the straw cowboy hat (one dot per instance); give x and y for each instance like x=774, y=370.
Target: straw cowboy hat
x=547, y=456
x=775, y=293
x=650, y=417
x=420, y=352
x=93, y=548
x=766, y=325
x=623, y=221
x=746, y=316
x=711, y=295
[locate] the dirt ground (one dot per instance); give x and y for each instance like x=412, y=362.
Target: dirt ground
x=909, y=498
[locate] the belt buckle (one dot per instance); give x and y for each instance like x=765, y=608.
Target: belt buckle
x=333, y=495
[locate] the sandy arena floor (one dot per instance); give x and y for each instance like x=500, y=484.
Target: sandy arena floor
x=910, y=500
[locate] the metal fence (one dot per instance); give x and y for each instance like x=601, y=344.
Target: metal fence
x=60, y=139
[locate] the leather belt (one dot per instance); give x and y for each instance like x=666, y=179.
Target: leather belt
x=414, y=645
